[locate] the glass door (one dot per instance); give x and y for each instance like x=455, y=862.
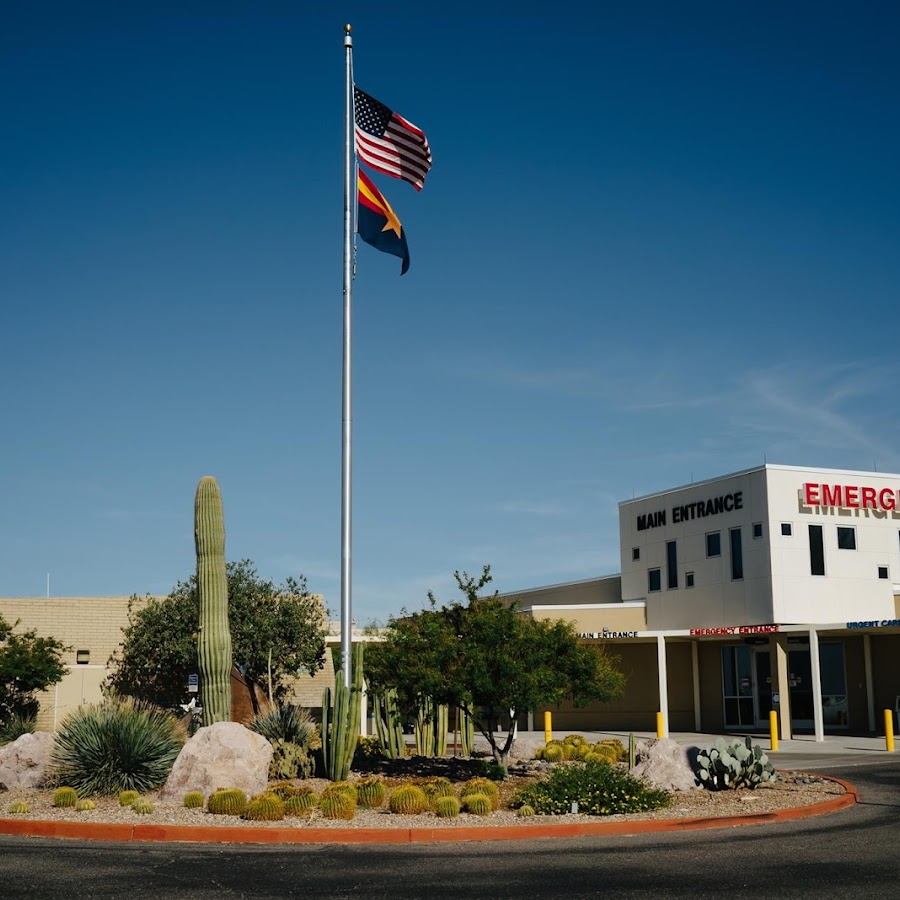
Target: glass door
x=737, y=687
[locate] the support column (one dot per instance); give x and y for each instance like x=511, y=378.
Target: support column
x=778, y=667
x=695, y=674
x=870, y=681
x=818, y=718
x=663, y=682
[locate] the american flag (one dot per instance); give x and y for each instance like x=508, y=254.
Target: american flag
x=388, y=143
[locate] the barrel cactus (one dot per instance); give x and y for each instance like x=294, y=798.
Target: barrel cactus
x=193, y=800
x=265, y=807
x=477, y=804
x=142, y=806
x=18, y=808
x=214, y=644
x=227, y=802
x=408, y=800
x=739, y=764
x=446, y=807
x=301, y=804
x=482, y=786
x=65, y=797
x=525, y=811
x=436, y=787
x=84, y=805
x=370, y=792
x=126, y=798
x=338, y=805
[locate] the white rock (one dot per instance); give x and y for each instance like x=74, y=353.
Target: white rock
x=664, y=763
x=24, y=761
x=222, y=755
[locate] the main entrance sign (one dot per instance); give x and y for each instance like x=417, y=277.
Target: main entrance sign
x=698, y=510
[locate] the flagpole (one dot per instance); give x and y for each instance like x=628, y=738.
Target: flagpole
x=346, y=603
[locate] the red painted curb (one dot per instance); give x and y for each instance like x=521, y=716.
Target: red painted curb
x=100, y=831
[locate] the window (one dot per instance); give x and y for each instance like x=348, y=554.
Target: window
x=737, y=555
x=846, y=537
x=689, y=579
x=883, y=572
x=816, y=550
x=635, y=553
x=713, y=544
x=786, y=529
x=757, y=530
x=671, y=565
x=654, y=580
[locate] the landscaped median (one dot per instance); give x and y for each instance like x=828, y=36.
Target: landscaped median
x=722, y=810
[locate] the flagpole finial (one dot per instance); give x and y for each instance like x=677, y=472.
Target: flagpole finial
x=348, y=28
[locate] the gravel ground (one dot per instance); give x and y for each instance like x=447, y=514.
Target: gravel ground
x=790, y=790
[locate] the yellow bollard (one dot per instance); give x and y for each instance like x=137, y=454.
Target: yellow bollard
x=660, y=730
x=548, y=727
x=773, y=730
x=889, y=730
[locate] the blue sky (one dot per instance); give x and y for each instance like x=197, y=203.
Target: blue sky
x=659, y=243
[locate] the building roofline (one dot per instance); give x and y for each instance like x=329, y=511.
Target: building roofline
x=762, y=468
x=562, y=584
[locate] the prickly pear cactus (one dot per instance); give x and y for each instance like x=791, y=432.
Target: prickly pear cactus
x=731, y=766
x=214, y=645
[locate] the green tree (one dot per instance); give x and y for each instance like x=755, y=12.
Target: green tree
x=28, y=664
x=279, y=626
x=490, y=660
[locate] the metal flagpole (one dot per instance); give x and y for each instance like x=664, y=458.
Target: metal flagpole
x=349, y=166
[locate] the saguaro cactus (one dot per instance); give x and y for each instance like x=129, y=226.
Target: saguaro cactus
x=214, y=645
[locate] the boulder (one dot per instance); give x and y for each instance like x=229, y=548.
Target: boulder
x=222, y=755
x=665, y=764
x=24, y=761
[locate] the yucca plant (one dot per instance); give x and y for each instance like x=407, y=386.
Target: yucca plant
x=289, y=723
x=15, y=726
x=116, y=745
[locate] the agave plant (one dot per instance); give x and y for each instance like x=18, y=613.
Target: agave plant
x=292, y=724
x=119, y=744
x=15, y=726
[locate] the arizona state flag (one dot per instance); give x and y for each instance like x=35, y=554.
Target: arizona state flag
x=377, y=223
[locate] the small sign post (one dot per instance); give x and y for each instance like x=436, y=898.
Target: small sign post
x=193, y=684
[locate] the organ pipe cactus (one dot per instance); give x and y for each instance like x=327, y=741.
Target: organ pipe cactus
x=389, y=725
x=424, y=727
x=340, y=720
x=441, y=724
x=466, y=732
x=214, y=645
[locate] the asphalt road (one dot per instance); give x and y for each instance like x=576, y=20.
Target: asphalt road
x=854, y=853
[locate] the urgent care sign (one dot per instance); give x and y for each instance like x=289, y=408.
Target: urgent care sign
x=850, y=496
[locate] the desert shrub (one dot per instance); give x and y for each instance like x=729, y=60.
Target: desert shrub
x=15, y=725
x=598, y=788
x=116, y=745
x=446, y=807
x=408, y=800
x=368, y=750
x=193, y=800
x=481, y=786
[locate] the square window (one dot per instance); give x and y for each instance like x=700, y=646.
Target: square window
x=846, y=538
x=883, y=572
x=714, y=544
x=82, y=657
x=786, y=529
x=757, y=529
x=635, y=553
x=654, y=580
x=689, y=579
